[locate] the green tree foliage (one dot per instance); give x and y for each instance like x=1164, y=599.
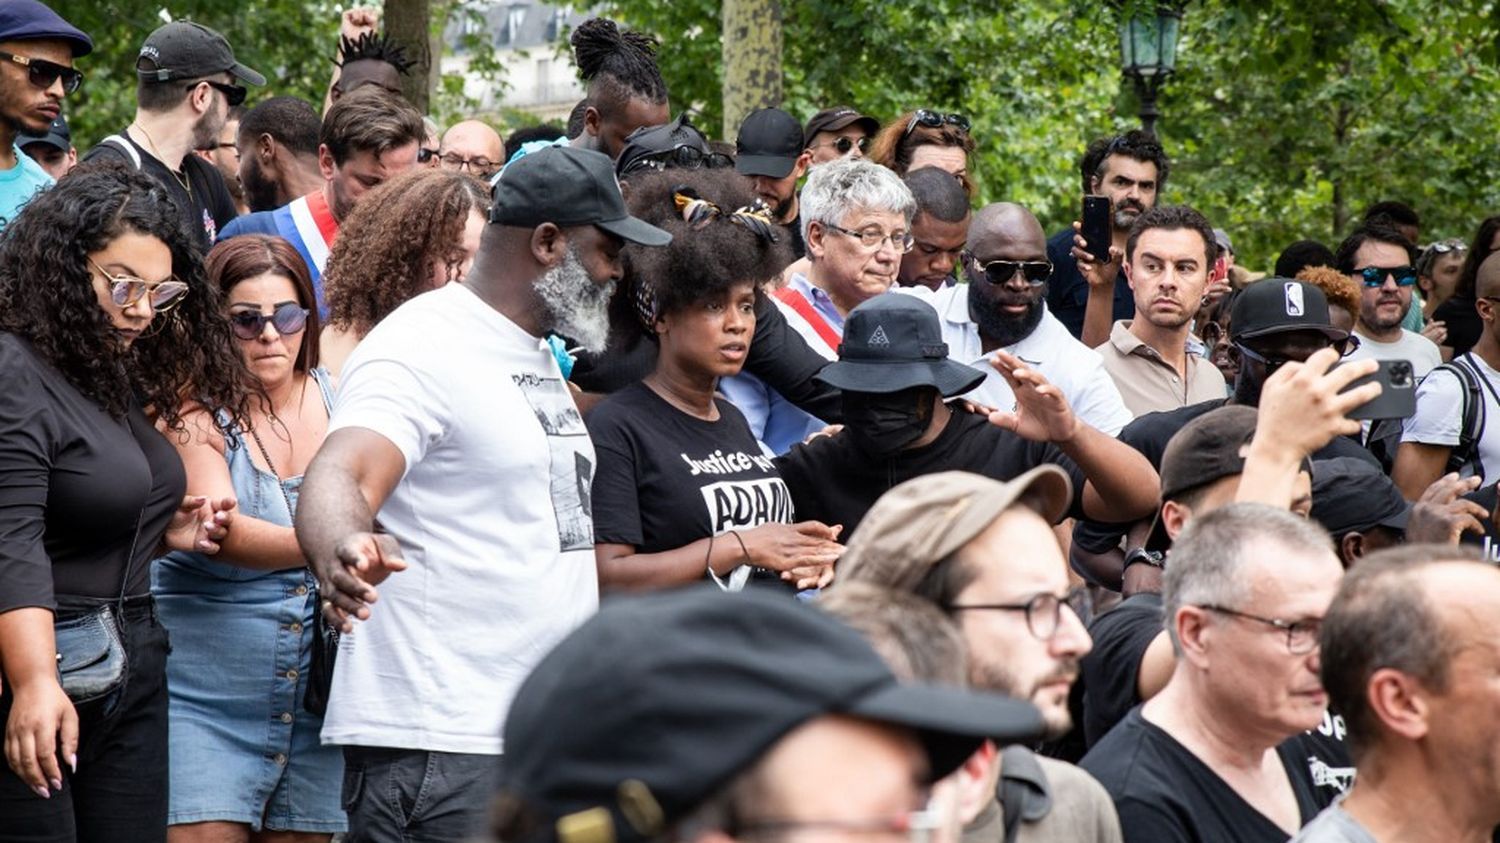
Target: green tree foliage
x=1284, y=121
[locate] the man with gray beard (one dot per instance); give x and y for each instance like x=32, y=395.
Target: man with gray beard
x=1003, y=308
x=455, y=426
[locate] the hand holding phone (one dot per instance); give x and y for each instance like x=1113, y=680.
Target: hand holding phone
x=1097, y=231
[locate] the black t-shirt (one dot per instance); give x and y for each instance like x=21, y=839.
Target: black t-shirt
x=1462, y=321
x=835, y=482
x=794, y=228
x=74, y=485
x=1110, y=672
x=1150, y=433
x=667, y=479
x=1165, y=793
x=205, y=208
x=1068, y=292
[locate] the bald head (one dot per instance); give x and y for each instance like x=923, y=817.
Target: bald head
x=474, y=139
x=1487, y=279
x=1006, y=228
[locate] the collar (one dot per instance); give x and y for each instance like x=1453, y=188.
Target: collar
x=1124, y=341
x=819, y=299
x=1020, y=769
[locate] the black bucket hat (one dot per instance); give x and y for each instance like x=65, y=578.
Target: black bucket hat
x=894, y=342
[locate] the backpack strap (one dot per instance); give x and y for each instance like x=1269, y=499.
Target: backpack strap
x=1471, y=430
x=125, y=146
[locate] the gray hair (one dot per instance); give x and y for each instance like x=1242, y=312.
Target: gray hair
x=839, y=187
x=1207, y=561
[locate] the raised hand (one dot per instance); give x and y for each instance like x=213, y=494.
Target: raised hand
x=1042, y=413
x=1441, y=515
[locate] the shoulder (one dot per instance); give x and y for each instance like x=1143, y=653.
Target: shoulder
x=1420, y=343
x=109, y=150
x=1073, y=787
x=260, y=222
x=1152, y=430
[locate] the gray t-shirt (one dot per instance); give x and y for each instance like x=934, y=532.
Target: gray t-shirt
x=1334, y=825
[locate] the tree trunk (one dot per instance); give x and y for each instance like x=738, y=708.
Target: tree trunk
x=408, y=23
x=752, y=59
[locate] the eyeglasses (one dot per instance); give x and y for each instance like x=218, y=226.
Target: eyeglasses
x=844, y=143
x=234, y=94
x=1374, y=276
x=1213, y=333
x=680, y=158
x=1043, y=611
x=872, y=238
x=126, y=290
x=479, y=165
x=1301, y=636
x=42, y=73
x=288, y=318
x=935, y=119
x=424, y=155
x=915, y=827
x=999, y=272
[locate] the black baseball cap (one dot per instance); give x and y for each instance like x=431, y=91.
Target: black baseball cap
x=659, y=701
x=1349, y=494
x=57, y=135
x=834, y=119
x=568, y=187
x=769, y=144
x=1208, y=448
x=29, y=20
x=187, y=50
x=1279, y=306
x=894, y=342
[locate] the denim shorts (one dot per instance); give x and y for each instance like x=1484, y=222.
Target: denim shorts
x=243, y=748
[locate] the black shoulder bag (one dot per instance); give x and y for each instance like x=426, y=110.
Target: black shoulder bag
x=325, y=643
x=91, y=658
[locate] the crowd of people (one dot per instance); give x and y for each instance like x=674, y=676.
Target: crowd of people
x=607, y=483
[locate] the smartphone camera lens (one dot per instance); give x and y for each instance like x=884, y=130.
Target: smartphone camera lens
x=1401, y=376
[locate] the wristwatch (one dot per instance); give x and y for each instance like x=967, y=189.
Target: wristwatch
x=1154, y=558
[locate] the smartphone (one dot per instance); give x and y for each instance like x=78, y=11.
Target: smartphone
x=1398, y=392
x=1097, y=231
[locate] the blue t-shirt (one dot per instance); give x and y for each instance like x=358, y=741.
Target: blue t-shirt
x=19, y=184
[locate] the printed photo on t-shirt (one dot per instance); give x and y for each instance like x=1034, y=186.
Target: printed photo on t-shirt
x=572, y=472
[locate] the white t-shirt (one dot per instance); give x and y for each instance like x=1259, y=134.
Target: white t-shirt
x=492, y=514
x=1440, y=416
x=1421, y=351
x=1065, y=362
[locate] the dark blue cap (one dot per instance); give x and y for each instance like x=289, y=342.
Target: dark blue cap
x=29, y=20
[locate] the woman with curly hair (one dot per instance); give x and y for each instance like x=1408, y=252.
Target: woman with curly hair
x=682, y=490
x=416, y=233
x=242, y=622
x=108, y=315
x=924, y=138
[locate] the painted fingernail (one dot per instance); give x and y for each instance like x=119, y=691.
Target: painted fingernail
x=56, y=784
x=73, y=762
x=42, y=792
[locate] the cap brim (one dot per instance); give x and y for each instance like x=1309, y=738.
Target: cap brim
x=952, y=723
x=950, y=377
x=773, y=166
x=53, y=141
x=636, y=231
x=1397, y=520
x=242, y=72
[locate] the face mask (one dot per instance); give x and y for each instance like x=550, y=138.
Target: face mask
x=884, y=424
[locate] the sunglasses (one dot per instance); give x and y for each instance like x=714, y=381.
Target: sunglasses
x=288, y=318
x=680, y=158
x=844, y=143
x=1000, y=272
x=43, y=73
x=424, y=155
x=234, y=94
x=1344, y=347
x=936, y=119
x=126, y=290
x=1374, y=276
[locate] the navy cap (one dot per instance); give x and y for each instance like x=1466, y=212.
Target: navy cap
x=57, y=135
x=186, y=50
x=29, y=20
x=568, y=187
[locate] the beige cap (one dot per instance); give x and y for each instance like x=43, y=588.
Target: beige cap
x=922, y=521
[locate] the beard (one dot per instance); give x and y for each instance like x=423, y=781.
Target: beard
x=260, y=192
x=206, y=130
x=1004, y=330
x=993, y=676
x=1126, y=213
x=576, y=307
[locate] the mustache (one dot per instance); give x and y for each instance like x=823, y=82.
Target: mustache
x=1067, y=670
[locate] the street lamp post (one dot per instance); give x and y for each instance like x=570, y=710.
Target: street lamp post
x=1148, y=52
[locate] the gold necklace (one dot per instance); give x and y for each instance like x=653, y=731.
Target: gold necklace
x=181, y=179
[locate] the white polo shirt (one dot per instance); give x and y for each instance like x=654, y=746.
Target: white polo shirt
x=1065, y=362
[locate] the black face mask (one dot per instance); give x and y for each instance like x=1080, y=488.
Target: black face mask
x=883, y=424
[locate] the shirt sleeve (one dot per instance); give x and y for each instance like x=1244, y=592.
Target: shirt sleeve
x=1143, y=822
x=396, y=401
x=1440, y=411
x=782, y=359
x=616, y=489
x=1099, y=403
x=26, y=435
x=749, y=395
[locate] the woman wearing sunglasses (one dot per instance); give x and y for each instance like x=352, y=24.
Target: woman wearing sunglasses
x=108, y=320
x=245, y=752
x=924, y=138
x=418, y=232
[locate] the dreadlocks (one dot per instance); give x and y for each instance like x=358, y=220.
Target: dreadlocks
x=372, y=47
x=617, y=65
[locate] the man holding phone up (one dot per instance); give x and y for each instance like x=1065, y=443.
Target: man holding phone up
x=1088, y=290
